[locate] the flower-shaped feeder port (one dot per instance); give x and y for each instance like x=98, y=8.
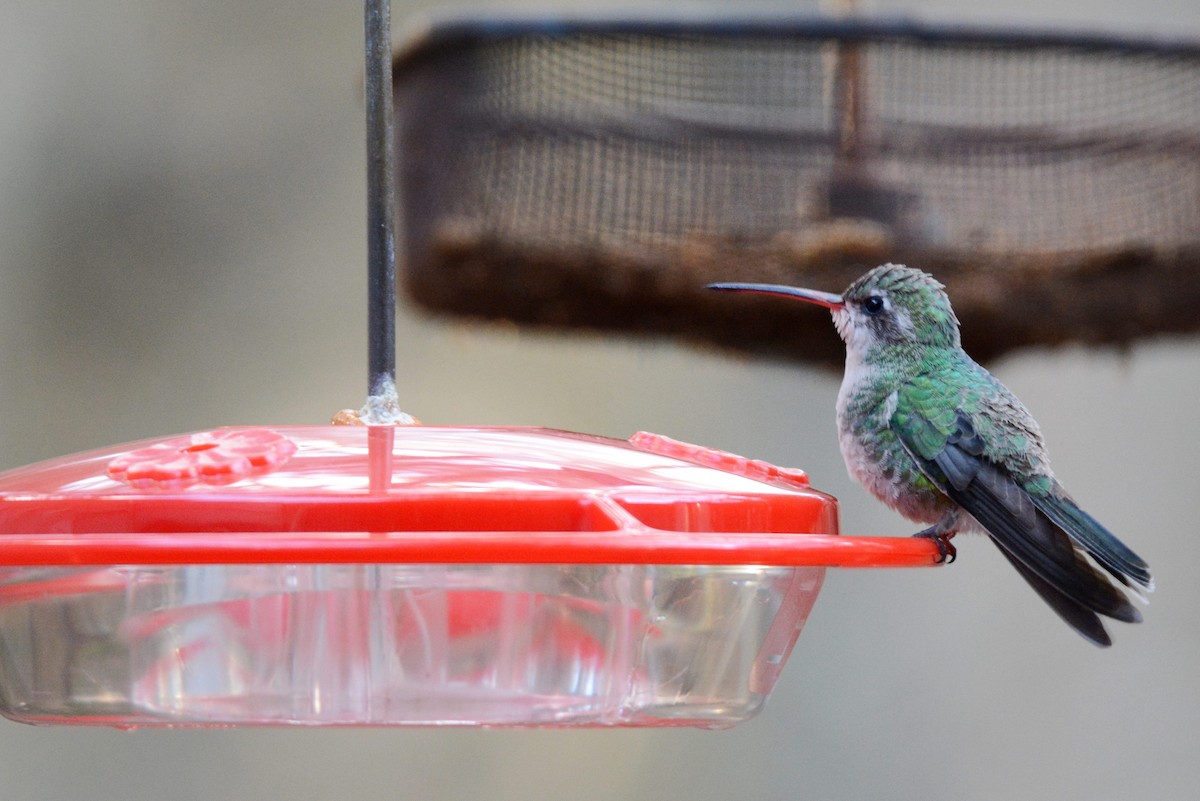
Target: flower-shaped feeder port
x=409, y=575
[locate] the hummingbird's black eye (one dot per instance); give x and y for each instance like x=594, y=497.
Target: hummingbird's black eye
x=873, y=305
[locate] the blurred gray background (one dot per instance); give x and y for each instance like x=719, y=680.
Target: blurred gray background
x=182, y=246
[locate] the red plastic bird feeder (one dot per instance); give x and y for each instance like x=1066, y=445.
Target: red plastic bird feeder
x=409, y=575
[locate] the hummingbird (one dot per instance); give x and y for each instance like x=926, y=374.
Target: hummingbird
x=941, y=441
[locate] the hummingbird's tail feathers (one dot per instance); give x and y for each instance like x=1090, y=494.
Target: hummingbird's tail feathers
x=1077, y=616
x=1030, y=537
x=1112, y=554
x=1050, y=561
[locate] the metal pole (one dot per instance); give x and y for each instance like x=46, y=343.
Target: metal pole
x=381, y=201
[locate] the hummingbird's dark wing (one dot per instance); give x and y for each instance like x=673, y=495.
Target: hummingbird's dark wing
x=953, y=456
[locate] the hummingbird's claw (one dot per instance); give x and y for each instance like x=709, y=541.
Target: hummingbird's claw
x=948, y=553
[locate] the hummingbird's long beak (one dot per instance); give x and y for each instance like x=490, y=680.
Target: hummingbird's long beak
x=826, y=299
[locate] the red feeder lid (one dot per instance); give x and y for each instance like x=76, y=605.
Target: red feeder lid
x=424, y=494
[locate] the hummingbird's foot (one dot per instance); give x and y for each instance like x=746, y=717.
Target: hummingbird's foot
x=941, y=538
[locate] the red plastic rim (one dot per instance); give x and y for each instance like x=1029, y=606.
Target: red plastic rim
x=709, y=548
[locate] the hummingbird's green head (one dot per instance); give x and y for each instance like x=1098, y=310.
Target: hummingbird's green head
x=889, y=305
x=896, y=305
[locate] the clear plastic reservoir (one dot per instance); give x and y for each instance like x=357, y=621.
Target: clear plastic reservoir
x=414, y=644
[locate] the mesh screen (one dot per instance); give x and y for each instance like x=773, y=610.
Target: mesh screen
x=598, y=174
